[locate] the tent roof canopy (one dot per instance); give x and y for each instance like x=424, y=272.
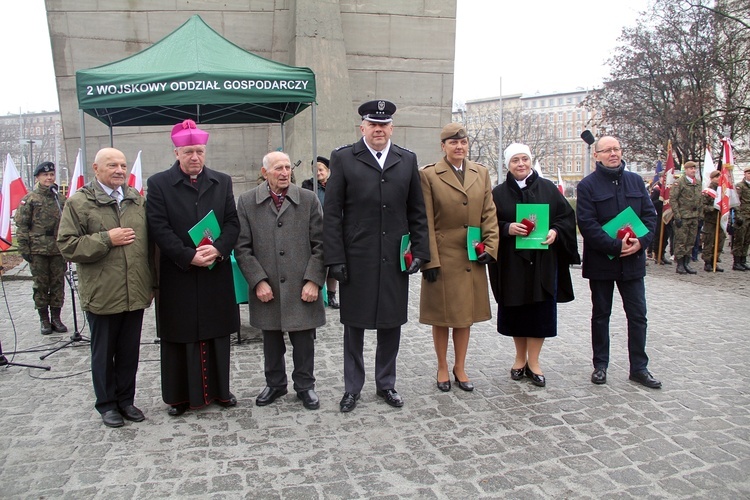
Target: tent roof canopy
x=194, y=73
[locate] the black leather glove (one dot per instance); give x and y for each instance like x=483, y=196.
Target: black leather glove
x=340, y=273
x=26, y=257
x=678, y=223
x=485, y=258
x=414, y=267
x=431, y=274
x=738, y=222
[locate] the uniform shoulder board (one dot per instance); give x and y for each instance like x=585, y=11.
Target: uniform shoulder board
x=403, y=148
x=429, y=165
x=481, y=164
x=344, y=146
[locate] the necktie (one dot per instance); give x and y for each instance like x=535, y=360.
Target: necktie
x=117, y=196
x=378, y=154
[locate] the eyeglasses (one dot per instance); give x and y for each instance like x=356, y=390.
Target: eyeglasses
x=609, y=150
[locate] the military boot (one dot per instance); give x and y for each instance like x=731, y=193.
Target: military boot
x=737, y=266
x=44, y=319
x=709, y=268
x=680, y=266
x=744, y=264
x=57, y=324
x=332, y=302
x=686, y=265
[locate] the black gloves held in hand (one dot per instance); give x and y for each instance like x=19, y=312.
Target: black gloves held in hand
x=431, y=274
x=485, y=258
x=414, y=267
x=678, y=223
x=26, y=257
x=340, y=273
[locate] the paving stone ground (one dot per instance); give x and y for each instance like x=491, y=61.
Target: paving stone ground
x=507, y=439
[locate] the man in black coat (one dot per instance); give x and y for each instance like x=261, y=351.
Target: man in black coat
x=373, y=198
x=196, y=306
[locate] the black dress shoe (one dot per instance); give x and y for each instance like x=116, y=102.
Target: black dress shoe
x=269, y=395
x=467, y=386
x=646, y=379
x=537, y=380
x=232, y=401
x=391, y=397
x=599, y=376
x=309, y=399
x=177, y=410
x=444, y=386
x=112, y=418
x=517, y=373
x=132, y=413
x=348, y=402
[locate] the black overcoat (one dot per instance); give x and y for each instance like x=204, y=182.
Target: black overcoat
x=367, y=210
x=195, y=303
x=523, y=277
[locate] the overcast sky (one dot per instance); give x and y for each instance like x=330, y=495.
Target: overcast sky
x=533, y=45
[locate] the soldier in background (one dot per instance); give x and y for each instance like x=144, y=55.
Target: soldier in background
x=685, y=199
x=36, y=220
x=708, y=233
x=741, y=237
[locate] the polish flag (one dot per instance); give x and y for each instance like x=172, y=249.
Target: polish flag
x=667, y=185
x=12, y=192
x=77, y=181
x=136, y=176
x=560, y=183
x=726, y=196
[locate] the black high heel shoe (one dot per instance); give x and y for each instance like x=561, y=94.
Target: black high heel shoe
x=537, y=380
x=467, y=386
x=444, y=386
x=517, y=373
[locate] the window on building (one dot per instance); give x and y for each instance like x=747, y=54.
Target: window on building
x=559, y=116
x=559, y=101
x=559, y=132
x=578, y=149
x=578, y=115
x=578, y=165
x=570, y=116
x=568, y=166
x=569, y=149
x=569, y=133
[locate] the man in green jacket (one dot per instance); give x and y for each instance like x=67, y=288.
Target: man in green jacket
x=685, y=198
x=103, y=230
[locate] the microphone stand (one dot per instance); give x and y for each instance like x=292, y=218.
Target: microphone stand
x=70, y=277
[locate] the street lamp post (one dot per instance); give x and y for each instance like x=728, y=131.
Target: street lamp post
x=589, y=139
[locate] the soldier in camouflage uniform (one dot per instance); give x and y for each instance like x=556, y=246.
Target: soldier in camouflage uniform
x=37, y=219
x=741, y=237
x=708, y=233
x=685, y=199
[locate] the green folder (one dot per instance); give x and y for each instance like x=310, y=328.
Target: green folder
x=405, y=247
x=240, y=284
x=473, y=236
x=207, y=227
x=627, y=217
x=539, y=213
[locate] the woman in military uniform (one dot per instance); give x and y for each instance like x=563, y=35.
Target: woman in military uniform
x=37, y=218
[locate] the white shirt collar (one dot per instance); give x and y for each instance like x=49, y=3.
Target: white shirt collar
x=109, y=190
x=381, y=160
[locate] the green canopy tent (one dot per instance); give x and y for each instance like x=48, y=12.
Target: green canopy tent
x=194, y=73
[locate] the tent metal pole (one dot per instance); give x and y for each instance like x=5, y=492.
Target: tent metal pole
x=83, y=144
x=283, y=137
x=314, y=151
x=111, y=137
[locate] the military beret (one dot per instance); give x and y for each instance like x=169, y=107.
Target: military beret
x=453, y=131
x=325, y=161
x=746, y=170
x=379, y=111
x=714, y=174
x=690, y=164
x=44, y=167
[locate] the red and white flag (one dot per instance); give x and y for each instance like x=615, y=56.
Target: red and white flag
x=12, y=192
x=136, y=176
x=666, y=214
x=560, y=184
x=726, y=196
x=77, y=181
x=538, y=169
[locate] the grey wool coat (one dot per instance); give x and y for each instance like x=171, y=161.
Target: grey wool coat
x=285, y=248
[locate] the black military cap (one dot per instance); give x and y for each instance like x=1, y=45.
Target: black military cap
x=43, y=168
x=377, y=111
x=325, y=161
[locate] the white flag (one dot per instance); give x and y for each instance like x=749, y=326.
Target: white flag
x=560, y=183
x=538, y=169
x=77, y=181
x=708, y=167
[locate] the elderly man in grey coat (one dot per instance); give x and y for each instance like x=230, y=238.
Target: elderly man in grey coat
x=280, y=253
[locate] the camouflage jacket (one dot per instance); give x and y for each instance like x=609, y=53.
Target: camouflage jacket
x=37, y=218
x=743, y=193
x=685, y=199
